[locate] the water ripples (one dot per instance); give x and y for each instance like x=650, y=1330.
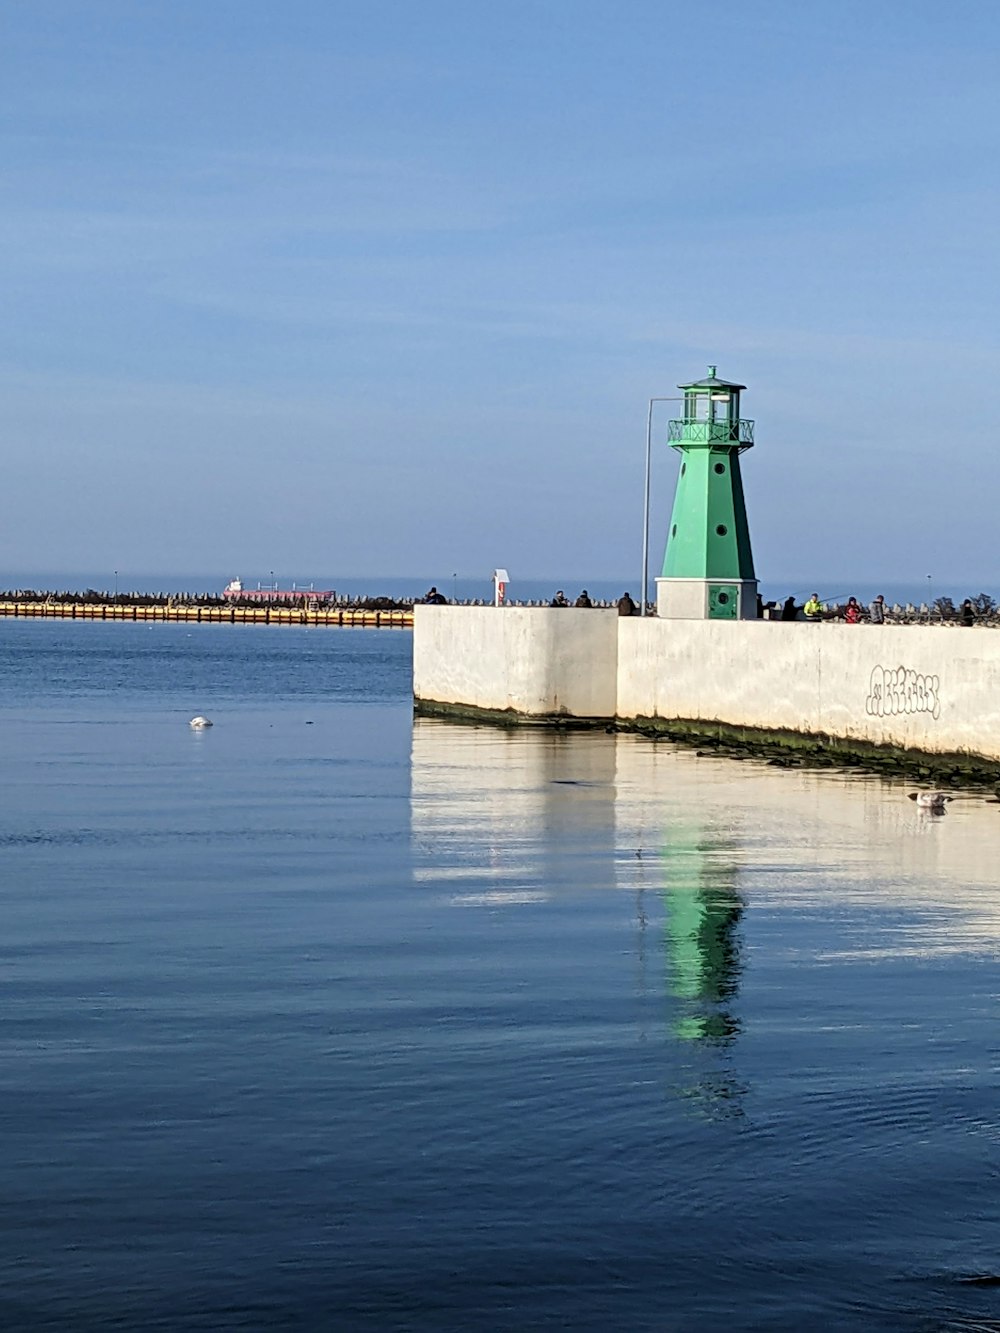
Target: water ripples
x=362, y=1026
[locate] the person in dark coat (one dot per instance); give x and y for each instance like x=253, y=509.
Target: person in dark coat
x=967, y=614
x=626, y=607
x=788, y=610
x=584, y=599
x=559, y=599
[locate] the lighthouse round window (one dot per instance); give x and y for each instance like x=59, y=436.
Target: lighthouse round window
x=722, y=529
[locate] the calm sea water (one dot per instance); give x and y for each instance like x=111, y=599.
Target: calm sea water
x=326, y=1019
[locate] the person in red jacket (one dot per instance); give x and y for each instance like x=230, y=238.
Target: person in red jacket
x=852, y=614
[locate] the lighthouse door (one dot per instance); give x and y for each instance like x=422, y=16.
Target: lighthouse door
x=723, y=601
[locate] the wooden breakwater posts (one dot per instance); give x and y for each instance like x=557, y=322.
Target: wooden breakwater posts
x=346, y=616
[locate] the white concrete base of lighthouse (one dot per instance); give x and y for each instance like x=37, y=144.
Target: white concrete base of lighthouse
x=706, y=599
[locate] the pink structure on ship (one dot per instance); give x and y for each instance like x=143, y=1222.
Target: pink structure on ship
x=235, y=592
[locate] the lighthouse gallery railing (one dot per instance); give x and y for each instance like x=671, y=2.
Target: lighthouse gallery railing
x=711, y=432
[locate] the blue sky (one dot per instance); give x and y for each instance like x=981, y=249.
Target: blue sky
x=345, y=287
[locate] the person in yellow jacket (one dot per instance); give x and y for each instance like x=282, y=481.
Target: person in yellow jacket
x=813, y=609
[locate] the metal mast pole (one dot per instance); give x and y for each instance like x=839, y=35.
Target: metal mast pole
x=645, y=499
x=645, y=510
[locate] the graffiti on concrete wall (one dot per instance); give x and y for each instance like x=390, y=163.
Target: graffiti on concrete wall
x=897, y=692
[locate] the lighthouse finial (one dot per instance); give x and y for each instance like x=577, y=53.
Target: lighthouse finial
x=711, y=373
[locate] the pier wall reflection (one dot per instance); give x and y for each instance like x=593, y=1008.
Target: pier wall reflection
x=590, y=825
x=526, y=812
x=803, y=838
x=700, y=986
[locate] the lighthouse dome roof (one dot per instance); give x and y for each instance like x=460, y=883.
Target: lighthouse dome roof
x=712, y=381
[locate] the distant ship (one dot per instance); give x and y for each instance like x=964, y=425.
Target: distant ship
x=234, y=591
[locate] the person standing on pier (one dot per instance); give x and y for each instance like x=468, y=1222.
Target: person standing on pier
x=876, y=611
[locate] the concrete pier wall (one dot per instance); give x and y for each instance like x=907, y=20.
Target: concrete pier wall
x=925, y=688
x=538, y=661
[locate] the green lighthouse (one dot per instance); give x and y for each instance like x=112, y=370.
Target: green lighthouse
x=708, y=566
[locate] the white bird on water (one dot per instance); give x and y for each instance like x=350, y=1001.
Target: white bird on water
x=199, y=723
x=931, y=800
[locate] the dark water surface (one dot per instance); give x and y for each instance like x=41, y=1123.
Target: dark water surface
x=323, y=1019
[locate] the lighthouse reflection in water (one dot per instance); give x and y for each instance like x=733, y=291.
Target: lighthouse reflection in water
x=703, y=912
x=512, y=819
x=724, y=1031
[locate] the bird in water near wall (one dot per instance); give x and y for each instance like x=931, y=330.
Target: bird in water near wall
x=199, y=723
x=936, y=801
